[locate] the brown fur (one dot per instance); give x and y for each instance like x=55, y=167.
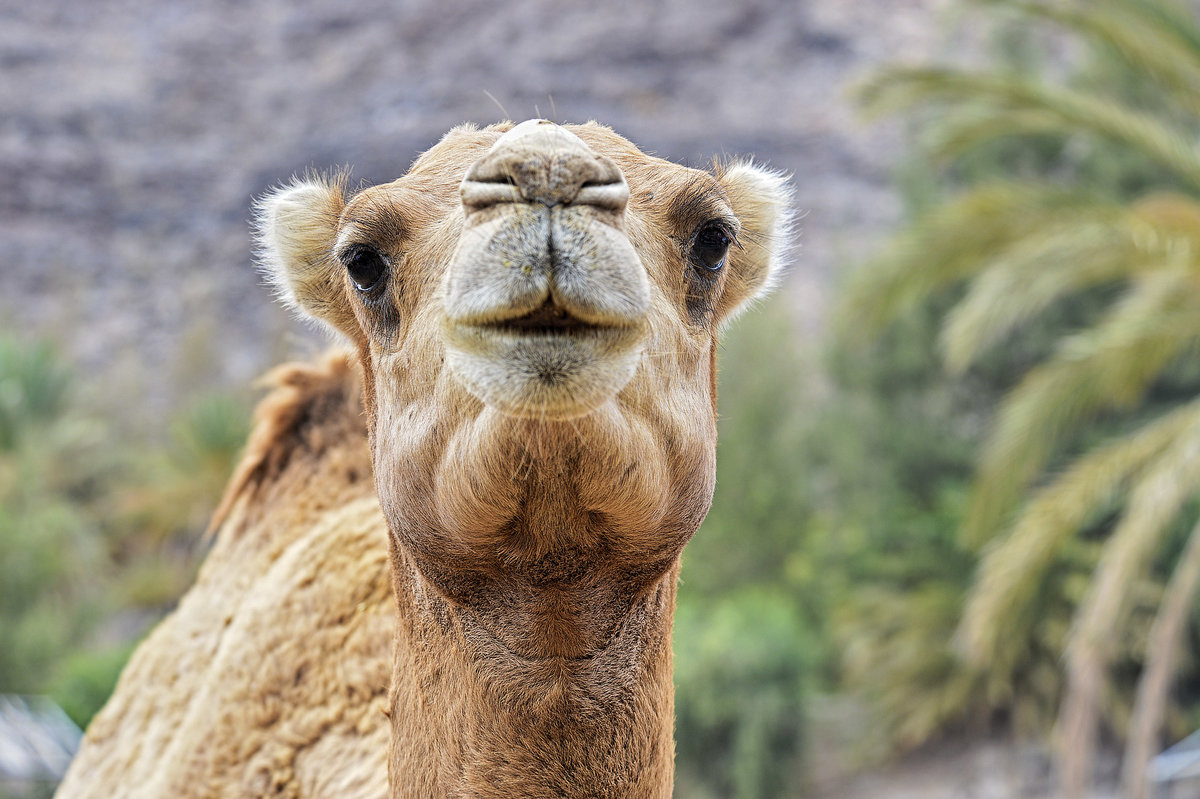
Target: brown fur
x=538, y=484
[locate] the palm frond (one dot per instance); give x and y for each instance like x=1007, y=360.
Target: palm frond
x=1067, y=111
x=1151, y=40
x=1010, y=572
x=1154, y=503
x=1169, y=16
x=1167, y=225
x=1023, y=280
x=1128, y=120
x=1108, y=366
x=915, y=679
x=959, y=132
x=952, y=242
x=1162, y=653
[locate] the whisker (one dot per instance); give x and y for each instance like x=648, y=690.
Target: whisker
x=492, y=97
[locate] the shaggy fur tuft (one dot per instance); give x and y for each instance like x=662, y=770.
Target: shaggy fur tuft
x=295, y=224
x=762, y=198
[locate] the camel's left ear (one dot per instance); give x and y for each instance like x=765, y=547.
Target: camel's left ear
x=761, y=199
x=297, y=227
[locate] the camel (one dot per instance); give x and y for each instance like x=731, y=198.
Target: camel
x=463, y=536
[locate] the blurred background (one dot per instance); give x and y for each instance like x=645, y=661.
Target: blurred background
x=954, y=550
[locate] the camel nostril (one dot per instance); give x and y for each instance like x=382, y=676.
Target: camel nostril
x=484, y=192
x=611, y=195
x=550, y=187
x=500, y=178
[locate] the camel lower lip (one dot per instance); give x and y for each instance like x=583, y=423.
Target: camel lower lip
x=547, y=373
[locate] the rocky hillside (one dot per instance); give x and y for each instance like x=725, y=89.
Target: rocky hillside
x=134, y=134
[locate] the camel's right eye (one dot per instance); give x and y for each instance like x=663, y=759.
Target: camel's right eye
x=366, y=266
x=710, y=246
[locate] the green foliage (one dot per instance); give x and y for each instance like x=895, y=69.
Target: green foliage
x=164, y=505
x=85, y=679
x=895, y=447
x=740, y=661
x=50, y=553
x=761, y=501
x=749, y=604
x=33, y=389
x=96, y=535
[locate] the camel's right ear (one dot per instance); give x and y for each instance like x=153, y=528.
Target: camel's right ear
x=297, y=227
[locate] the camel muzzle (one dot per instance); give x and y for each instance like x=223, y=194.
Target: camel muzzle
x=546, y=297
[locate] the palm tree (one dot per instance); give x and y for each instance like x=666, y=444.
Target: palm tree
x=1018, y=247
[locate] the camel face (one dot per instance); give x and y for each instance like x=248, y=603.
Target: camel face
x=536, y=309
x=546, y=298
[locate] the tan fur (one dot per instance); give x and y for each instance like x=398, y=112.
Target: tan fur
x=539, y=381
x=275, y=665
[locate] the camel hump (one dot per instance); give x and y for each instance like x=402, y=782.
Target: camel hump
x=275, y=663
x=311, y=421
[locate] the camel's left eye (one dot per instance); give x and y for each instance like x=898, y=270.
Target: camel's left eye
x=366, y=267
x=710, y=246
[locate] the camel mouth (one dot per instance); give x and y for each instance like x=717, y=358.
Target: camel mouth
x=550, y=325
x=549, y=318
x=552, y=319
x=546, y=299
x=547, y=364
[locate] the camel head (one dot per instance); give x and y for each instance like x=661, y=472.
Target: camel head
x=536, y=310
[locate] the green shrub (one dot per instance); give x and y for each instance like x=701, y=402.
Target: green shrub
x=744, y=633
x=52, y=561
x=740, y=663
x=85, y=679
x=92, y=527
x=33, y=389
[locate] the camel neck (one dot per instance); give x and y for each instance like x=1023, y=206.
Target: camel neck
x=473, y=715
